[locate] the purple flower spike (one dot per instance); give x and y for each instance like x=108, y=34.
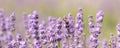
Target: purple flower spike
x=71, y=23
x=118, y=33
x=105, y=44
x=12, y=22
x=80, y=14
x=2, y=22
x=59, y=29
x=79, y=22
x=19, y=37
x=43, y=32
x=25, y=18
x=113, y=42
x=55, y=33
x=91, y=24
x=99, y=17
x=33, y=24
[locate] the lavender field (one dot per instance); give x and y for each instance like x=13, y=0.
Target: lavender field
x=59, y=24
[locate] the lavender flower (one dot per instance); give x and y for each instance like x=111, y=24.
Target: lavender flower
x=71, y=22
x=105, y=44
x=12, y=44
x=78, y=29
x=118, y=32
x=52, y=33
x=95, y=29
x=2, y=22
x=8, y=38
x=19, y=37
x=79, y=23
x=29, y=28
x=79, y=20
x=33, y=24
x=99, y=17
x=23, y=44
x=56, y=33
x=25, y=18
x=59, y=29
x=113, y=41
x=43, y=33
x=37, y=44
x=59, y=32
x=91, y=24
x=12, y=22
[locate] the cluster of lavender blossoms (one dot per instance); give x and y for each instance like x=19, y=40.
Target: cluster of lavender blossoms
x=66, y=32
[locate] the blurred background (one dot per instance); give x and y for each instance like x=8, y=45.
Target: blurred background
x=60, y=8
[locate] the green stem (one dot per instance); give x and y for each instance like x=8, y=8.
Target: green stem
x=59, y=44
